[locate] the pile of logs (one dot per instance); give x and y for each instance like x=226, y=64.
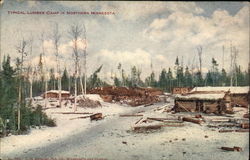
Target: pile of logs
x=234, y=125
x=132, y=96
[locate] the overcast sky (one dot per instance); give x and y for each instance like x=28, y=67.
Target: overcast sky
x=137, y=34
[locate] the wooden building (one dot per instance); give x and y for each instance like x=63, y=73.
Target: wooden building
x=55, y=94
x=207, y=102
x=239, y=95
x=181, y=90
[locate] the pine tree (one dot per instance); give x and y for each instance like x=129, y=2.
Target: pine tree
x=240, y=77
x=209, y=79
x=117, y=82
x=163, y=79
x=224, y=80
x=215, y=72
x=134, y=76
x=65, y=80
x=8, y=95
x=170, y=79
x=188, y=78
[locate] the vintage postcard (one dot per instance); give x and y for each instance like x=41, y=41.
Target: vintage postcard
x=124, y=80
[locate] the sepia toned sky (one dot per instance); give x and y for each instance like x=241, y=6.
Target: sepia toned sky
x=137, y=34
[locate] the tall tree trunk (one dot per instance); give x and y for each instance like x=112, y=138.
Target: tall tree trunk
x=81, y=83
x=85, y=72
x=31, y=91
x=75, y=108
x=46, y=96
x=69, y=84
x=60, y=91
x=19, y=106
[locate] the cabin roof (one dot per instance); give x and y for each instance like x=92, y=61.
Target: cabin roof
x=199, y=96
x=57, y=92
x=233, y=90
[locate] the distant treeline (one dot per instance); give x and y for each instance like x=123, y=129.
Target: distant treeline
x=12, y=83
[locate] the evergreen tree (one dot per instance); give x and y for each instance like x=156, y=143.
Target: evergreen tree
x=163, y=79
x=8, y=96
x=170, y=80
x=94, y=80
x=134, y=76
x=153, y=82
x=209, y=79
x=117, y=82
x=240, y=77
x=188, y=78
x=224, y=80
x=215, y=72
x=198, y=80
x=52, y=81
x=65, y=80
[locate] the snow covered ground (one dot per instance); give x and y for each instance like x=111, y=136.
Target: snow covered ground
x=65, y=126
x=113, y=138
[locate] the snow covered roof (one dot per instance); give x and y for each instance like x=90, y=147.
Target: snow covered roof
x=233, y=90
x=205, y=96
x=57, y=92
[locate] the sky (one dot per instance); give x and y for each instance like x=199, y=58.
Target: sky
x=137, y=34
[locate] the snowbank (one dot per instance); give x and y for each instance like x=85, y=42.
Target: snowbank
x=65, y=127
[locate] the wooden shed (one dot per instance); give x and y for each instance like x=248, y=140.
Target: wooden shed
x=239, y=95
x=55, y=94
x=181, y=90
x=207, y=102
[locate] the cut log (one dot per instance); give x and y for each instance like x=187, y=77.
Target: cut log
x=242, y=130
x=188, y=119
x=246, y=115
x=96, y=116
x=165, y=120
x=79, y=117
x=71, y=113
x=220, y=120
x=223, y=131
x=155, y=127
x=146, y=128
x=150, y=104
x=169, y=118
x=229, y=125
x=131, y=115
x=182, y=107
x=223, y=125
x=138, y=120
x=229, y=112
x=173, y=125
x=245, y=125
x=212, y=126
x=198, y=116
x=238, y=149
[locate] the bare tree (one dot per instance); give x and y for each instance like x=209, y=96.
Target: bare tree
x=75, y=33
x=56, y=38
x=43, y=69
x=85, y=56
x=199, y=49
x=31, y=71
x=21, y=49
x=233, y=65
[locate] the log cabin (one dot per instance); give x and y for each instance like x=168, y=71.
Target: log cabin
x=55, y=94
